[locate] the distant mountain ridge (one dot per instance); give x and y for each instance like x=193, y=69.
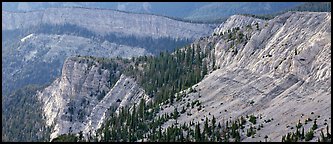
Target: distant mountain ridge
x=191, y=11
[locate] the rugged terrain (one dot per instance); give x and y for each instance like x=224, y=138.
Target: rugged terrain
x=281, y=72
x=35, y=44
x=81, y=97
x=277, y=70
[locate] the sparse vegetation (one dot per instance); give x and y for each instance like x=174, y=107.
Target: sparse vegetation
x=253, y=119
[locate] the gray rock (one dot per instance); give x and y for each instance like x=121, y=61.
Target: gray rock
x=38, y=58
x=284, y=68
x=103, y=21
x=71, y=102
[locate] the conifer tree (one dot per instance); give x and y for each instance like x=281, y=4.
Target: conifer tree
x=197, y=132
x=302, y=134
x=315, y=126
x=175, y=113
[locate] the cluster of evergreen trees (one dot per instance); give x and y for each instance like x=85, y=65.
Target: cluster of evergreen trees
x=163, y=76
x=138, y=124
x=22, y=115
x=299, y=136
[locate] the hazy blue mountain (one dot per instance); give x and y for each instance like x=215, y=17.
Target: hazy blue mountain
x=222, y=10
x=195, y=11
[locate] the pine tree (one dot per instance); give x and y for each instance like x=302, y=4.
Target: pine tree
x=159, y=133
x=315, y=126
x=107, y=134
x=197, y=132
x=322, y=136
x=175, y=113
x=213, y=122
x=181, y=139
x=299, y=125
x=80, y=135
x=328, y=134
x=309, y=135
x=206, y=127
x=188, y=136
x=302, y=134
x=141, y=108
x=298, y=134
x=237, y=137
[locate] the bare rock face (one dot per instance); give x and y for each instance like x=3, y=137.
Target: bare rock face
x=38, y=58
x=81, y=97
x=68, y=101
x=280, y=72
x=124, y=93
x=237, y=21
x=107, y=21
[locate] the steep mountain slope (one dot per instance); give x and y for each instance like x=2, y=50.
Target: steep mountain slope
x=38, y=58
x=81, y=98
x=274, y=73
x=280, y=71
x=35, y=44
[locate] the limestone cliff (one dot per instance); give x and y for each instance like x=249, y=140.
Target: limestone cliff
x=81, y=98
x=280, y=69
x=102, y=21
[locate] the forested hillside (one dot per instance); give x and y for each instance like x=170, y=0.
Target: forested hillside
x=145, y=78
x=22, y=114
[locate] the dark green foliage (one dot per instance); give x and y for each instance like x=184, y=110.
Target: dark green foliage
x=299, y=124
x=175, y=114
x=183, y=110
x=22, y=114
x=250, y=132
x=315, y=126
x=101, y=95
x=309, y=135
x=66, y=138
x=302, y=134
x=197, y=136
x=253, y=119
x=167, y=74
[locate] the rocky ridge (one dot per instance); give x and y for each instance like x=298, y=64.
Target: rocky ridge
x=278, y=70
x=102, y=21
x=281, y=71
